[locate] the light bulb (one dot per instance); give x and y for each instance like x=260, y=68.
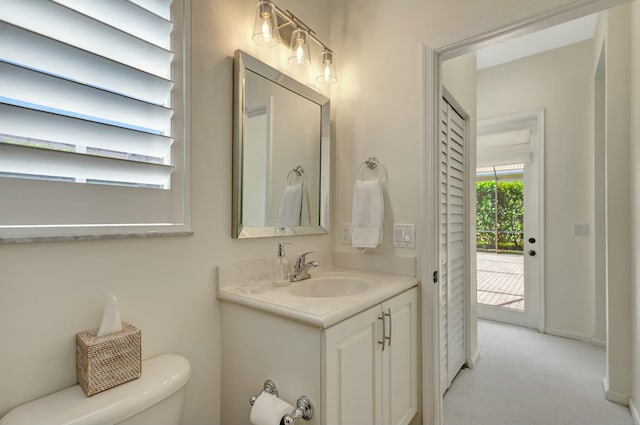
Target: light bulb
x=327, y=72
x=266, y=30
x=299, y=53
x=265, y=26
x=327, y=69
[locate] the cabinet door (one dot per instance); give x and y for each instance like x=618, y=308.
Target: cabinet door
x=400, y=359
x=352, y=388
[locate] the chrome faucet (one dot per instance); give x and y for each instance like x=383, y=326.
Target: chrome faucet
x=301, y=268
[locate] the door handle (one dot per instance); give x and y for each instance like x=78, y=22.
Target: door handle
x=384, y=329
x=388, y=338
x=532, y=253
x=532, y=240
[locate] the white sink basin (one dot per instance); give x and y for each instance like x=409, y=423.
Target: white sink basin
x=330, y=286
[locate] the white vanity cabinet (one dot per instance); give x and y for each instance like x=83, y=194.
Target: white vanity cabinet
x=327, y=348
x=371, y=365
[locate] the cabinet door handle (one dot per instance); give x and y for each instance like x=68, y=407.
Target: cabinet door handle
x=388, y=338
x=384, y=329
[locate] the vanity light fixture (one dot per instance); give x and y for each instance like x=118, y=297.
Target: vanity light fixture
x=273, y=26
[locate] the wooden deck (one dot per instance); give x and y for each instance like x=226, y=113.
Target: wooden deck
x=501, y=280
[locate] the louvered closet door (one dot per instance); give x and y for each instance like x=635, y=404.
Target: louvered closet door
x=452, y=238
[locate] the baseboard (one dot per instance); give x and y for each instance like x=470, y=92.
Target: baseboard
x=579, y=337
x=614, y=396
x=570, y=335
x=634, y=411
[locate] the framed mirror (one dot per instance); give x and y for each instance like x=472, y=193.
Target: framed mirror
x=281, y=142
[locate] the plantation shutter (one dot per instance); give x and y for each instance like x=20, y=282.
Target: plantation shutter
x=452, y=206
x=86, y=97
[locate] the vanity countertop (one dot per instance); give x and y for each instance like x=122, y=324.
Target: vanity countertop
x=321, y=312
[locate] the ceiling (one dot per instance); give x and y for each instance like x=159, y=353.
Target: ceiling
x=571, y=32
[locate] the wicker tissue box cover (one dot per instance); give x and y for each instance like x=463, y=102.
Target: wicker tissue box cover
x=107, y=361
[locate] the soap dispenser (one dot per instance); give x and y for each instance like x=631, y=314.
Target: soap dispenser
x=281, y=267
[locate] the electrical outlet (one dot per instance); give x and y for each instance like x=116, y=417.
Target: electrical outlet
x=345, y=233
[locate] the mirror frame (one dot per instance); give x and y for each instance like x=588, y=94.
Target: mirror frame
x=243, y=62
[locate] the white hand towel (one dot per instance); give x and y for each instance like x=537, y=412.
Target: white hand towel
x=367, y=214
x=290, y=206
x=305, y=215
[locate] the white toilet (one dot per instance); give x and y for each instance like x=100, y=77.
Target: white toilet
x=157, y=398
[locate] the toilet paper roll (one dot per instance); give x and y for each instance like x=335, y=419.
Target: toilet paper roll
x=269, y=410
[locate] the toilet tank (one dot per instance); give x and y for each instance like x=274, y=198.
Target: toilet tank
x=156, y=397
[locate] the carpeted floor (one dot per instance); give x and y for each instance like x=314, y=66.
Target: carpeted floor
x=526, y=378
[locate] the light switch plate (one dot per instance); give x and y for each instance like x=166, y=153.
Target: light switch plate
x=404, y=235
x=581, y=229
x=345, y=233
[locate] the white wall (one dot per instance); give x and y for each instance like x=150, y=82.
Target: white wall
x=560, y=81
x=50, y=291
x=599, y=157
x=614, y=29
x=634, y=403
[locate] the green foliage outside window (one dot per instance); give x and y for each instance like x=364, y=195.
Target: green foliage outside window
x=510, y=220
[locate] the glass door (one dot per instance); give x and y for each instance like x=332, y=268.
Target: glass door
x=506, y=221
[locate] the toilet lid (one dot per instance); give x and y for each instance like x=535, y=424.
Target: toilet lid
x=161, y=377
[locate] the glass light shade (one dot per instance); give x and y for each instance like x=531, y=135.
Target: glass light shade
x=300, y=55
x=327, y=68
x=265, y=26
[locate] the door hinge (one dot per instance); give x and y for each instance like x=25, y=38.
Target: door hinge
x=435, y=276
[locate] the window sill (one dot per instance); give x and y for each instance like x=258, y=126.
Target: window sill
x=92, y=237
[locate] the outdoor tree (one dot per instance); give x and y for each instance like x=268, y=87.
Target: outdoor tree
x=509, y=223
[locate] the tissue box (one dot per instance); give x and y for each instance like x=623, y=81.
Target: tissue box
x=110, y=360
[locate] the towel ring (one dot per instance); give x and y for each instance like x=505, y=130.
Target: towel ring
x=374, y=166
x=299, y=171
x=371, y=162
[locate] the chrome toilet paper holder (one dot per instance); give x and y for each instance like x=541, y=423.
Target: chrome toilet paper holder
x=304, y=408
